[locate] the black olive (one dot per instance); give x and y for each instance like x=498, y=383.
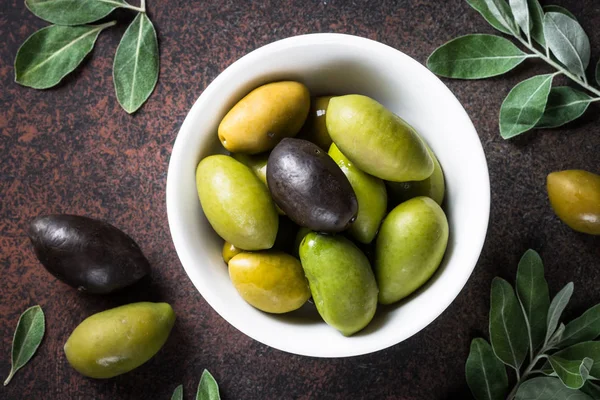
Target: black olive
x=86, y=253
x=310, y=187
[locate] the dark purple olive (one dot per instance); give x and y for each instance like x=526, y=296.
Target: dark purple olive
x=88, y=254
x=309, y=186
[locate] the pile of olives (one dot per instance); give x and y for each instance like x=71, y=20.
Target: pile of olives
x=336, y=198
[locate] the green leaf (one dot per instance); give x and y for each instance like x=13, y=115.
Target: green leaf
x=524, y=105
x=475, y=57
x=591, y=390
x=568, y=42
x=53, y=52
x=547, y=388
x=532, y=291
x=135, y=69
x=559, y=302
x=520, y=10
x=73, y=12
x=508, y=332
x=584, y=328
x=497, y=13
x=579, y=351
x=537, y=22
x=486, y=375
x=565, y=104
x=572, y=374
x=27, y=338
x=208, y=389
x=559, y=9
x=178, y=393
x=598, y=73
x=556, y=337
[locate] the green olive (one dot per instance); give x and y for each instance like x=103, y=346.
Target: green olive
x=266, y=115
x=237, y=204
x=116, y=341
x=257, y=163
x=376, y=140
x=433, y=187
x=271, y=281
x=341, y=281
x=229, y=251
x=315, y=128
x=370, y=193
x=575, y=198
x=410, y=246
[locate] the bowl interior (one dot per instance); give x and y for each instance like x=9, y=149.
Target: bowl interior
x=334, y=64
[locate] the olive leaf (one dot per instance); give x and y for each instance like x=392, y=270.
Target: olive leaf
x=508, y=332
x=486, y=375
x=475, y=56
x=565, y=104
x=579, y=351
x=537, y=22
x=74, y=12
x=572, y=374
x=524, y=106
x=28, y=336
x=568, y=42
x=53, y=52
x=520, y=10
x=548, y=388
x=559, y=9
x=559, y=302
x=135, y=69
x=208, y=389
x=532, y=292
x=556, y=337
x=502, y=23
x=584, y=328
x=178, y=393
x=481, y=7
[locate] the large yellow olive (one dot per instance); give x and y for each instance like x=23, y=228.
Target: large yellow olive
x=575, y=198
x=266, y=115
x=271, y=281
x=116, y=341
x=315, y=128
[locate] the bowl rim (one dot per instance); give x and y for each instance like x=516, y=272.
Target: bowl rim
x=177, y=231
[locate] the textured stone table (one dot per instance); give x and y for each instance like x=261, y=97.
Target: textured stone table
x=72, y=149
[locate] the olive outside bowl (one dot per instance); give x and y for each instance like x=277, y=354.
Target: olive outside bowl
x=334, y=64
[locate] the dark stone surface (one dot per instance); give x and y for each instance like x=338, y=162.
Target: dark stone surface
x=73, y=149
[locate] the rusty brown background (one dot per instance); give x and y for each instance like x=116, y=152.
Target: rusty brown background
x=73, y=149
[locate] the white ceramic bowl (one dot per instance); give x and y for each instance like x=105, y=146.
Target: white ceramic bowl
x=334, y=64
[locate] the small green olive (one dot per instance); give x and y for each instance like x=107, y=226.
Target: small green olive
x=575, y=198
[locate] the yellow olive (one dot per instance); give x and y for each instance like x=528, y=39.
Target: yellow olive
x=266, y=115
x=271, y=281
x=575, y=198
x=229, y=251
x=118, y=340
x=315, y=129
